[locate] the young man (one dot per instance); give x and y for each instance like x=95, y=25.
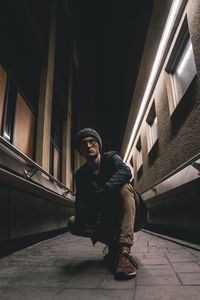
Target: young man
x=105, y=205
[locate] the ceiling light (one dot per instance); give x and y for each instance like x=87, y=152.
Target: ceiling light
x=156, y=65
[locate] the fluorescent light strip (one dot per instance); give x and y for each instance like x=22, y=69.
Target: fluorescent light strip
x=165, y=36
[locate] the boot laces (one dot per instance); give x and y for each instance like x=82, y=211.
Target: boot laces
x=124, y=259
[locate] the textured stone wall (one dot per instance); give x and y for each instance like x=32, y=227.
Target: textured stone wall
x=179, y=134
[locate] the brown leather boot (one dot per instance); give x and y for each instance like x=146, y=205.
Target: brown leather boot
x=125, y=268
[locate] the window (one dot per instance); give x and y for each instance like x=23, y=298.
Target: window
x=138, y=154
x=184, y=72
x=9, y=110
x=19, y=119
x=3, y=81
x=152, y=131
x=18, y=126
x=23, y=133
x=181, y=67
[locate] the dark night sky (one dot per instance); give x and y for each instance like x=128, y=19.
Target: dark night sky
x=110, y=38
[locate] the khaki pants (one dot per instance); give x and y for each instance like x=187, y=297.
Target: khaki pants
x=116, y=223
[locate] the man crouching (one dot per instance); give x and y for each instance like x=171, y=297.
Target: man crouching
x=105, y=204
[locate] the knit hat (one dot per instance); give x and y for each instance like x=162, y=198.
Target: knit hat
x=85, y=132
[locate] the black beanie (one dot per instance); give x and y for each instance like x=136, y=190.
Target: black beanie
x=85, y=132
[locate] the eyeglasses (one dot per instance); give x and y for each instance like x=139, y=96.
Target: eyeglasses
x=91, y=142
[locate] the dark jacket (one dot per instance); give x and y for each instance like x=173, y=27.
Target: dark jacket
x=91, y=189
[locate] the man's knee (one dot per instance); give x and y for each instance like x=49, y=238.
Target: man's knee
x=128, y=198
x=80, y=229
x=71, y=223
x=127, y=191
x=71, y=220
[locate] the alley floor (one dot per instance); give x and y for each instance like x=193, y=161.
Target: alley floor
x=69, y=267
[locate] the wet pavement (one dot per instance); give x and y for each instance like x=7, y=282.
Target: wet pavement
x=69, y=267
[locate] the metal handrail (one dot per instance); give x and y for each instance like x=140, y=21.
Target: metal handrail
x=34, y=166
x=185, y=164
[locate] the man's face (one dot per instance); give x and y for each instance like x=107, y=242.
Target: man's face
x=89, y=148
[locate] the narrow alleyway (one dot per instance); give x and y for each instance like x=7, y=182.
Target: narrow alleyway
x=68, y=267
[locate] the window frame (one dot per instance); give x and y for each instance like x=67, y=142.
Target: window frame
x=138, y=155
x=173, y=61
x=9, y=109
x=152, y=127
x=3, y=86
x=20, y=104
x=9, y=113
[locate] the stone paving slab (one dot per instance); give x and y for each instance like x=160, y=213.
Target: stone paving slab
x=69, y=267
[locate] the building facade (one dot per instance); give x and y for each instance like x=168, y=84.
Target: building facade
x=39, y=95
x=162, y=137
